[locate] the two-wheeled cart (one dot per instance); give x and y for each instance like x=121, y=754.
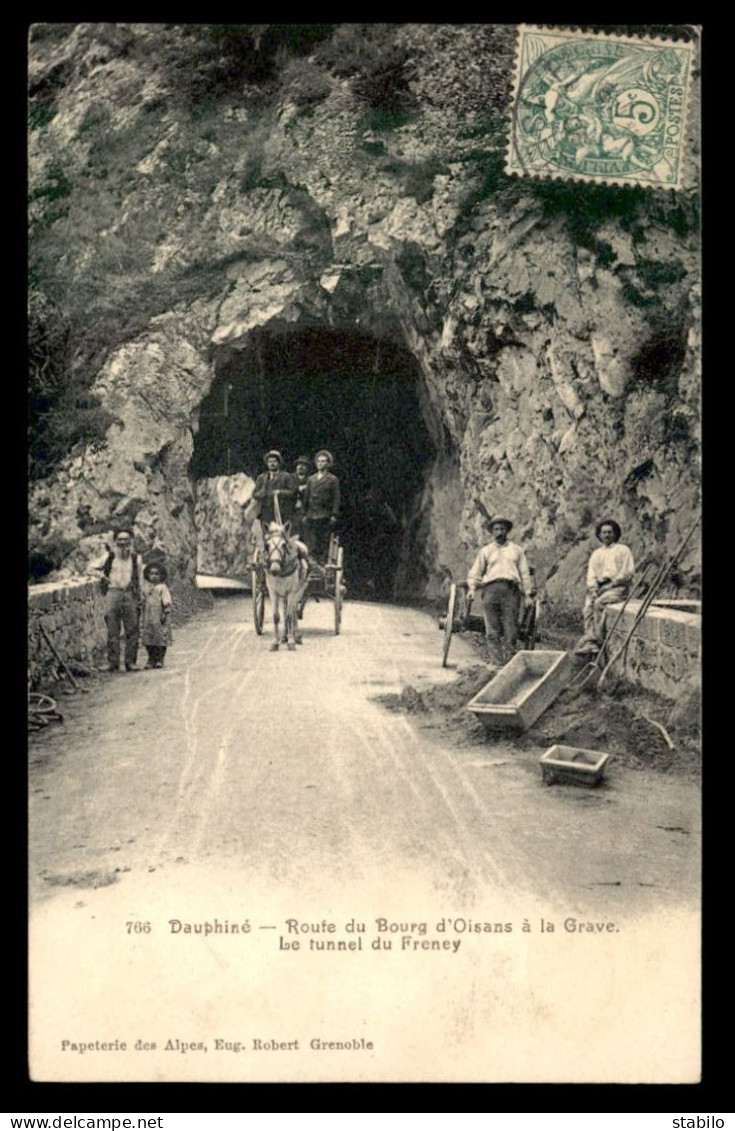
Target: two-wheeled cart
x=324, y=582
x=327, y=581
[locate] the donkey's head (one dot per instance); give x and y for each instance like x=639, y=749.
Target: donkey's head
x=277, y=547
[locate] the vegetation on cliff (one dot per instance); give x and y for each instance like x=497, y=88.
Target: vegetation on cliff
x=188, y=99
x=193, y=184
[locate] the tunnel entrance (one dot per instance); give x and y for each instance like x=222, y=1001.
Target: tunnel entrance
x=357, y=396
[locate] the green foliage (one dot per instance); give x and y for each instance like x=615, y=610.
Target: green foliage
x=678, y=431
x=413, y=266
x=656, y=274
x=62, y=411
x=415, y=177
x=198, y=60
x=378, y=66
x=374, y=148
x=252, y=174
x=51, y=557
x=50, y=32
x=584, y=208
x=658, y=363
x=55, y=187
x=490, y=178
x=484, y=125
x=303, y=83
x=105, y=291
x=210, y=61
x=380, y=120
x=39, y=116
x=605, y=254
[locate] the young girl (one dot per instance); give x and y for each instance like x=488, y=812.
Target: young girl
x=156, y=617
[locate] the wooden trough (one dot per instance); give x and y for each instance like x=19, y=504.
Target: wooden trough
x=522, y=690
x=572, y=765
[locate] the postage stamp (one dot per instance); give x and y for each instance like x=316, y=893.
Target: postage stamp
x=599, y=108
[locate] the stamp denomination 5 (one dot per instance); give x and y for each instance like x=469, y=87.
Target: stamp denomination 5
x=599, y=108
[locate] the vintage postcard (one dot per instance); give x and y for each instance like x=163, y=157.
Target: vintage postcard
x=364, y=569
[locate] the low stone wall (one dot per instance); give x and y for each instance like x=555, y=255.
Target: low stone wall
x=73, y=615
x=664, y=654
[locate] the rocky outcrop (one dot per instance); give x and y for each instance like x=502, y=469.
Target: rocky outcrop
x=555, y=332
x=224, y=546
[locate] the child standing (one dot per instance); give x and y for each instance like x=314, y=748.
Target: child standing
x=156, y=618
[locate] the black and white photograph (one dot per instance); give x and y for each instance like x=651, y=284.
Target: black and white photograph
x=364, y=553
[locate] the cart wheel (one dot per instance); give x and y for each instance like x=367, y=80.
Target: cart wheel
x=41, y=704
x=258, y=593
x=338, y=574
x=449, y=623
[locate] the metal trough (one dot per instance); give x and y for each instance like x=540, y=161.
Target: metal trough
x=522, y=690
x=573, y=766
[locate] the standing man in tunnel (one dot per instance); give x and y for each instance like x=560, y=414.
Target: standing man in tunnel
x=501, y=572
x=321, y=505
x=301, y=479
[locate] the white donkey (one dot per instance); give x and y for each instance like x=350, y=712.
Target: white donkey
x=286, y=579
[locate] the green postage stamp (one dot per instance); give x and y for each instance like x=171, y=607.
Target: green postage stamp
x=600, y=108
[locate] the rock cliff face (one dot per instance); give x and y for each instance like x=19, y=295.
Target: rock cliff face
x=223, y=547
x=534, y=348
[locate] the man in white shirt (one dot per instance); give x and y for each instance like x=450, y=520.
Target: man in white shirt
x=120, y=573
x=502, y=574
x=609, y=574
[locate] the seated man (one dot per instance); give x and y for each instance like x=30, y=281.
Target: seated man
x=609, y=574
x=501, y=572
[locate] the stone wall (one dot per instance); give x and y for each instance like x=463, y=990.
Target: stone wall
x=73, y=616
x=665, y=652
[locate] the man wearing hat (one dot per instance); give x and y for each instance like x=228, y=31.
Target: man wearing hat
x=609, y=574
x=275, y=483
x=502, y=574
x=120, y=572
x=321, y=505
x=301, y=478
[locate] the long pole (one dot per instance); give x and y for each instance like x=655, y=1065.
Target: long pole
x=58, y=658
x=585, y=675
x=646, y=603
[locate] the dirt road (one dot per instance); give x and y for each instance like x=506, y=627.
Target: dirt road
x=284, y=763
x=239, y=783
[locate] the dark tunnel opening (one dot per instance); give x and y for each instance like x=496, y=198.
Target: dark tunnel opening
x=357, y=396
